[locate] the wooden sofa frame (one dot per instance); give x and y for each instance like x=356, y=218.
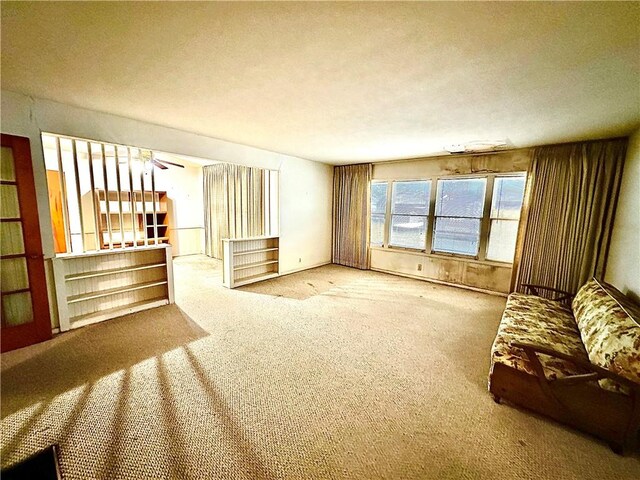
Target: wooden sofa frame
x=576, y=400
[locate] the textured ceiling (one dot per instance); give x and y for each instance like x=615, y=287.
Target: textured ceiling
x=338, y=82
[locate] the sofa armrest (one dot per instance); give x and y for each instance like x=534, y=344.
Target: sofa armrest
x=595, y=372
x=534, y=289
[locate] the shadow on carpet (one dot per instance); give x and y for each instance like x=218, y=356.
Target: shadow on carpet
x=82, y=356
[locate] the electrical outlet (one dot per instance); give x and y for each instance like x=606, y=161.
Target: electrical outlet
x=419, y=267
x=299, y=260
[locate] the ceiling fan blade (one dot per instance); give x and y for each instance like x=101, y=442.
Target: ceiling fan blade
x=158, y=164
x=169, y=163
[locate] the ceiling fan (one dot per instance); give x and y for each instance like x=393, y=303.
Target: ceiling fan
x=162, y=164
x=156, y=162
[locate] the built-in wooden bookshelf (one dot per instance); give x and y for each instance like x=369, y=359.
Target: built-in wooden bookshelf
x=92, y=287
x=125, y=218
x=249, y=260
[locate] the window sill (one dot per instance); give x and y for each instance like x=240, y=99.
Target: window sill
x=442, y=256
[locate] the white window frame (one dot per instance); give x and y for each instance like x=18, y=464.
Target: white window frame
x=485, y=222
x=389, y=223
x=384, y=214
x=481, y=218
x=523, y=175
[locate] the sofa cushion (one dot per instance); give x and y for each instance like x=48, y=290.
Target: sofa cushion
x=610, y=331
x=541, y=321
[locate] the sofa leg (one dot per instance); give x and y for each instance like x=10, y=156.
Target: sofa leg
x=496, y=398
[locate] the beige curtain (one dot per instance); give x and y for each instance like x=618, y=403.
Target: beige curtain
x=573, y=193
x=351, y=191
x=233, y=204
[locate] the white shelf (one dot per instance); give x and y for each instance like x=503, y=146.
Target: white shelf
x=93, y=253
x=253, y=265
x=88, y=319
x=113, y=291
x=260, y=250
x=254, y=278
x=112, y=271
x=263, y=264
x=249, y=239
x=129, y=212
x=95, y=286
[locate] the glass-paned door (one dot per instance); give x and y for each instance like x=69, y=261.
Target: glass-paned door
x=25, y=308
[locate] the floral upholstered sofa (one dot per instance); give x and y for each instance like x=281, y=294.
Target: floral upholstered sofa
x=578, y=363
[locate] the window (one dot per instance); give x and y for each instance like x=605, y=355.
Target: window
x=378, y=211
x=506, y=203
x=458, y=223
x=459, y=208
x=409, y=214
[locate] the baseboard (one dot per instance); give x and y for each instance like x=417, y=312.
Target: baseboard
x=440, y=282
x=321, y=264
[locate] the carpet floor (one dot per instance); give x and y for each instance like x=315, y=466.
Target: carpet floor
x=329, y=373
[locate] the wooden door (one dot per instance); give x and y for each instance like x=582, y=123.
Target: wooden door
x=25, y=306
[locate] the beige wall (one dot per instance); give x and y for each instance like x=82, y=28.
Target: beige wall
x=623, y=264
x=486, y=275
x=503, y=162
x=306, y=192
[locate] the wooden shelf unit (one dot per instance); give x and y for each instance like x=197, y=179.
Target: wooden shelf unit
x=162, y=221
x=249, y=260
x=138, y=218
x=96, y=286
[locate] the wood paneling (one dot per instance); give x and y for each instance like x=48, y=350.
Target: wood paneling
x=186, y=241
x=492, y=277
